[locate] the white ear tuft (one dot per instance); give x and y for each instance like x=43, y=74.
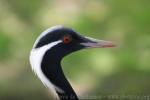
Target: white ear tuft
x=36, y=57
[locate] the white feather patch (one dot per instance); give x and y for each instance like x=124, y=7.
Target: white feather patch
x=36, y=57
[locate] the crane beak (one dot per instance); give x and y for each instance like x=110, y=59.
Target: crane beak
x=94, y=43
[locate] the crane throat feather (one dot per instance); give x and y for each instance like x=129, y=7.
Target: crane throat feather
x=36, y=57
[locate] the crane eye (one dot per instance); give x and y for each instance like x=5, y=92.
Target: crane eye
x=67, y=39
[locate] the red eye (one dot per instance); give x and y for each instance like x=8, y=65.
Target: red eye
x=67, y=39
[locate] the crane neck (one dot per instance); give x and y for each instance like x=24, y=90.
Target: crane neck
x=51, y=67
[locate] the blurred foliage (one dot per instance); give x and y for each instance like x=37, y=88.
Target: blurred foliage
x=123, y=70
x=5, y=42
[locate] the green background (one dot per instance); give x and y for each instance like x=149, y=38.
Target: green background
x=120, y=71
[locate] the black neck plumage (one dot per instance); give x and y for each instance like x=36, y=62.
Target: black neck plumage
x=52, y=69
